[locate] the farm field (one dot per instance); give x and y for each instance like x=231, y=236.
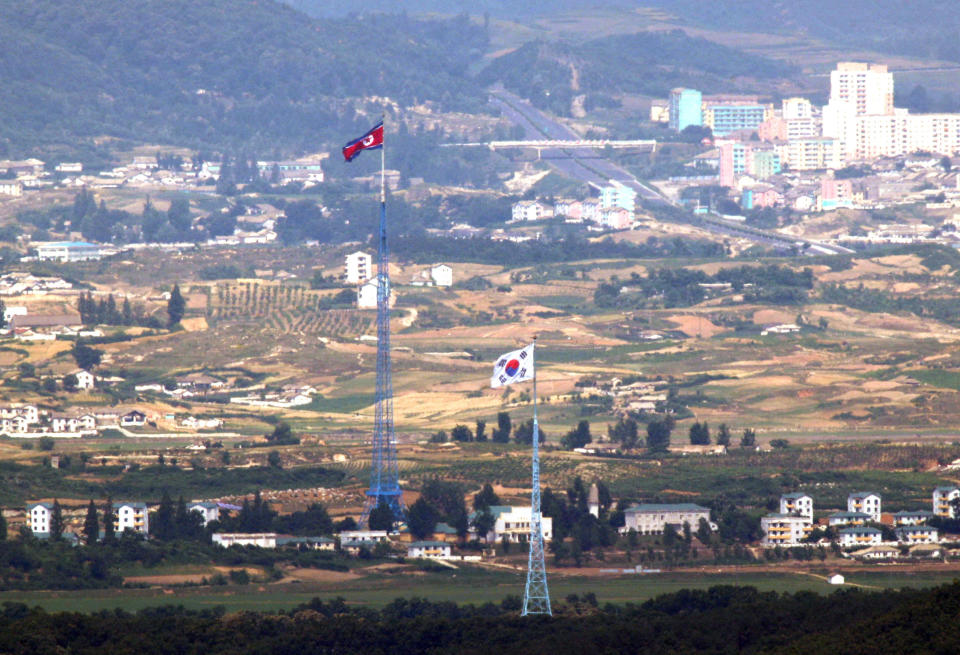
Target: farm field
x=464, y=586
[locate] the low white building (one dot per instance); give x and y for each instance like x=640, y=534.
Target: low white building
x=513, y=524
x=785, y=529
x=785, y=328
x=797, y=503
x=860, y=536
x=917, y=534
x=429, y=550
x=912, y=517
x=355, y=537
x=653, y=518
x=847, y=518
x=133, y=418
x=867, y=502
x=261, y=539
x=68, y=251
x=38, y=518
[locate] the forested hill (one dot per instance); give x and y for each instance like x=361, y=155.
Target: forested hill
x=225, y=74
x=550, y=74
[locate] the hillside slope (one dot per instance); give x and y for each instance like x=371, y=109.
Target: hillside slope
x=221, y=74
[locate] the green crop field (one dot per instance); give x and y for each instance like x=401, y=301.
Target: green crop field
x=466, y=585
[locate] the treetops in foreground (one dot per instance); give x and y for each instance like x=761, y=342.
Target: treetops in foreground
x=715, y=621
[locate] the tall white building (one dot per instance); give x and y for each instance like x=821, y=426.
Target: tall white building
x=132, y=516
x=867, y=88
x=866, y=502
x=358, y=267
x=797, y=503
x=38, y=518
x=942, y=497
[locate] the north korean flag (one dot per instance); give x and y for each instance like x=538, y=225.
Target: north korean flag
x=369, y=141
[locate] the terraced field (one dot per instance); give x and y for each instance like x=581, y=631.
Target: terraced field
x=289, y=309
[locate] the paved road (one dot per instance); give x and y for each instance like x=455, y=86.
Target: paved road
x=585, y=164
x=578, y=163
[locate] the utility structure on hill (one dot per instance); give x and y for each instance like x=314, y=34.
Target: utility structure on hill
x=384, y=472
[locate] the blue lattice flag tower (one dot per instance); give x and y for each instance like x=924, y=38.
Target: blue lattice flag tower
x=384, y=472
x=518, y=366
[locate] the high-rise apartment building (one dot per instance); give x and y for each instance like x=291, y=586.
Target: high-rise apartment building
x=685, y=108
x=868, y=88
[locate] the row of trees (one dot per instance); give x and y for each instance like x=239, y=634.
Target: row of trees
x=522, y=433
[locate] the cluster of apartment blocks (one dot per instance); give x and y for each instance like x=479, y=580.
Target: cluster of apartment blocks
x=858, y=123
x=145, y=170
x=795, y=521
x=614, y=208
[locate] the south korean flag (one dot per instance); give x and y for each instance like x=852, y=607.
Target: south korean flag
x=515, y=366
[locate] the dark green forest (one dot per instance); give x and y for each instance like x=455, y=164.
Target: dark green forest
x=223, y=74
x=717, y=621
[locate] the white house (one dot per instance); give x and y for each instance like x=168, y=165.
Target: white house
x=358, y=267
x=917, y=534
x=942, y=499
x=209, y=511
x=133, y=418
x=367, y=295
x=860, y=536
x=195, y=423
x=797, y=503
x=442, y=275
x=29, y=413
x=513, y=524
x=653, y=518
x=429, y=550
x=836, y=578
x=73, y=423
x=785, y=529
x=132, y=516
x=38, y=518
x=17, y=424
x=866, y=502
x=354, y=537
x=85, y=379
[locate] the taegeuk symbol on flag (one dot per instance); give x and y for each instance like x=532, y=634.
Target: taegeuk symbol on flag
x=515, y=366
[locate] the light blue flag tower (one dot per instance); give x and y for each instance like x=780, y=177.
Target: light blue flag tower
x=384, y=471
x=518, y=366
